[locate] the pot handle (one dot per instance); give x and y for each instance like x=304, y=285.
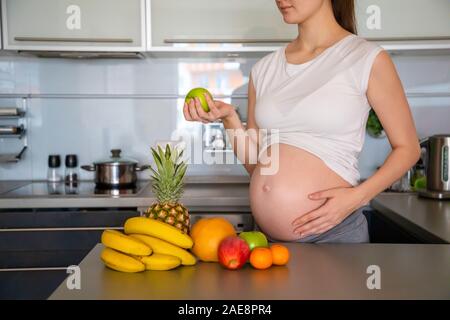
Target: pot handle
x=88, y=168
x=424, y=143
x=142, y=168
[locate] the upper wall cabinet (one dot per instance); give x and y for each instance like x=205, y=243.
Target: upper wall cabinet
x=403, y=19
x=257, y=25
x=220, y=25
x=79, y=25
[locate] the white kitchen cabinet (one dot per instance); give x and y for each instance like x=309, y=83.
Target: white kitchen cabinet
x=257, y=25
x=403, y=19
x=78, y=25
x=216, y=25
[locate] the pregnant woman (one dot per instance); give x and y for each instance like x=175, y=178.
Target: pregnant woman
x=308, y=104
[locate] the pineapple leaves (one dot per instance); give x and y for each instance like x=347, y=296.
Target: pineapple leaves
x=157, y=159
x=181, y=174
x=156, y=156
x=167, y=151
x=168, y=176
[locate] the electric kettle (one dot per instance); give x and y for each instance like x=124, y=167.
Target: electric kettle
x=437, y=165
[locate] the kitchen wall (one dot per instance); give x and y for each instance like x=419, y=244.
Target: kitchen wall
x=88, y=107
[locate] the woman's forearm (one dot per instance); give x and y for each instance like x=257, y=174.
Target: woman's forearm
x=400, y=160
x=244, y=142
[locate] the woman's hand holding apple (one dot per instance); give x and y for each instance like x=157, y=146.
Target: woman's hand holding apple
x=193, y=110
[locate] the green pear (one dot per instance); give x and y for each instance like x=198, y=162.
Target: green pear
x=199, y=93
x=254, y=239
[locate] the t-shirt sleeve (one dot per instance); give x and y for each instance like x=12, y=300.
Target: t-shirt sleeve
x=366, y=67
x=254, y=75
x=260, y=70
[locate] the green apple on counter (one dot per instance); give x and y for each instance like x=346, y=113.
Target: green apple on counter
x=254, y=239
x=200, y=94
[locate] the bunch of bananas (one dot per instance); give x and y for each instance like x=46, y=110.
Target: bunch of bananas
x=147, y=244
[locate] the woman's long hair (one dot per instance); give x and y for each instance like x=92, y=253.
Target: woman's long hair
x=344, y=12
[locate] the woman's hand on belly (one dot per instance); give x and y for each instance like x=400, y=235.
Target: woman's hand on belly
x=275, y=206
x=339, y=204
x=279, y=199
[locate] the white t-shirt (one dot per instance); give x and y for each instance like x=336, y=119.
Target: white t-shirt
x=319, y=106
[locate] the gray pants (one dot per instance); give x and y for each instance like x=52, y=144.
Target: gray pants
x=353, y=229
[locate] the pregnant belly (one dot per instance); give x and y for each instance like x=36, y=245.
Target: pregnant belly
x=279, y=198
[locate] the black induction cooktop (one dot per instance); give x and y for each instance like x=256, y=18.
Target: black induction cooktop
x=81, y=189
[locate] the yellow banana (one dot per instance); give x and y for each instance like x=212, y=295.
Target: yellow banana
x=121, y=242
x=159, y=261
x=158, y=229
x=164, y=247
x=121, y=262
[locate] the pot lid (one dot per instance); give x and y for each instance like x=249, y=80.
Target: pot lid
x=116, y=159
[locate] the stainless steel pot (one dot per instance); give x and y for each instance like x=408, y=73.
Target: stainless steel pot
x=437, y=162
x=115, y=171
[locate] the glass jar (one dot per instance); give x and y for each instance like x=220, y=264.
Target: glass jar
x=54, y=168
x=71, y=175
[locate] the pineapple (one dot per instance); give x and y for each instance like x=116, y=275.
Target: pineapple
x=168, y=187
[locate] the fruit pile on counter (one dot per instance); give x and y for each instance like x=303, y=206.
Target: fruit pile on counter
x=147, y=245
x=163, y=239
x=150, y=244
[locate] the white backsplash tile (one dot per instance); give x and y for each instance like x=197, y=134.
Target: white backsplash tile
x=151, y=111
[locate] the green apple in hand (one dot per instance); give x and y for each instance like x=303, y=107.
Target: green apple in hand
x=199, y=93
x=254, y=239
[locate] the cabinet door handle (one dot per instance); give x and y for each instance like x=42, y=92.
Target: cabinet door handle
x=187, y=40
x=430, y=38
x=50, y=39
x=33, y=269
x=175, y=40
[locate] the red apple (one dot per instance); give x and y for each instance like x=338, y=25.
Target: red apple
x=233, y=252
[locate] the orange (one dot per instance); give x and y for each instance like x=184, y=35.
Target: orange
x=261, y=258
x=280, y=254
x=207, y=233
